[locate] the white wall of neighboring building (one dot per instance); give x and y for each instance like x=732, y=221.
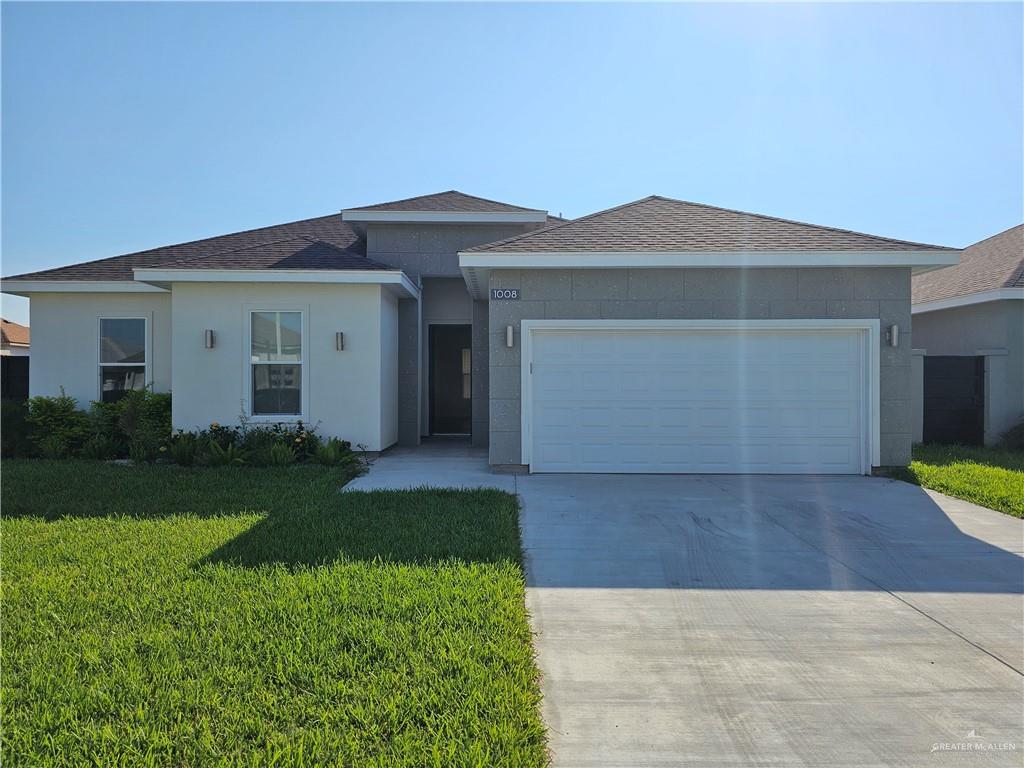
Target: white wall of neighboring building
x=14, y=350
x=347, y=394
x=65, y=340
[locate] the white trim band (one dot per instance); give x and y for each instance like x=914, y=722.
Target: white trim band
x=395, y=278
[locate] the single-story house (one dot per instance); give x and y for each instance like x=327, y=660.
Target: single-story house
x=969, y=328
x=656, y=336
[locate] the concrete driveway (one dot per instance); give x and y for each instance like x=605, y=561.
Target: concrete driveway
x=767, y=621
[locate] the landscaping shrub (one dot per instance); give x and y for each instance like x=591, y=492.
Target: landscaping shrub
x=15, y=430
x=99, y=447
x=138, y=427
x=335, y=453
x=223, y=456
x=280, y=454
x=57, y=426
x=184, y=448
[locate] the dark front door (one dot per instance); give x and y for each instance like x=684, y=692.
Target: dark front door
x=451, y=386
x=954, y=400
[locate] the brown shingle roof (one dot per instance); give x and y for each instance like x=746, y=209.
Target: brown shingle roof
x=329, y=229
x=14, y=333
x=291, y=253
x=996, y=262
x=451, y=201
x=663, y=224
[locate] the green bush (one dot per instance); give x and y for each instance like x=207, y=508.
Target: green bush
x=184, y=449
x=53, y=447
x=280, y=454
x=57, y=422
x=219, y=456
x=99, y=448
x=138, y=426
x=335, y=453
x=15, y=430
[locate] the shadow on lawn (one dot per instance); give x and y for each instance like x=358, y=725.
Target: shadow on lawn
x=420, y=526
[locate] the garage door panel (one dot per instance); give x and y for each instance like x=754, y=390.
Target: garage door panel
x=697, y=401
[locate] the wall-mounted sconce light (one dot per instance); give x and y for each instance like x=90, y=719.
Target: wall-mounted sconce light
x=892, y=335
x=510, y=338
x=339, y=341
x=209, y=339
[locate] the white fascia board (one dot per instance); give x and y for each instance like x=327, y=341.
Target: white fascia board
x=439, y=217
x=642, y=259
x=982, y=297
x=27, y=287
x=395, y=278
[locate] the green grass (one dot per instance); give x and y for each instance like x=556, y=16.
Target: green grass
x=166, y=616
x=991, y=477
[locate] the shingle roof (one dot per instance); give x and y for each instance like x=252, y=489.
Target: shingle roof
x=663, y=224
x=996, y=262
x=451, y=201
x=329, y=229
x=290, y=253
x=14, y=333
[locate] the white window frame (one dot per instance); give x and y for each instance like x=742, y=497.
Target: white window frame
x=869, y=328
x=147, y=340
x=303, y=363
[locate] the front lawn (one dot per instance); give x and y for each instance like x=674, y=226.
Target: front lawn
x=157, y=615
x=991, y=477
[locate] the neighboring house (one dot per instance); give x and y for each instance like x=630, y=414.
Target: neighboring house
x=14, y=360
x=14, y=339
x=969, y=323
x=657, y=336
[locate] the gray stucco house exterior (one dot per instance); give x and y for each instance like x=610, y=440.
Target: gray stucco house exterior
x=656, y=336
x=976, y=310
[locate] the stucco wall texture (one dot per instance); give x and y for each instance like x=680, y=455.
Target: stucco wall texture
x=621, y=294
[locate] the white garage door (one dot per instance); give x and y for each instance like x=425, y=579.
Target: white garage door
x=694, y=400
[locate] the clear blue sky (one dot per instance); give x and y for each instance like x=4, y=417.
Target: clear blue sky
x=132, y=126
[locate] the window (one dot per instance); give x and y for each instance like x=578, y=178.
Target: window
x=276, y=358
x=122, y=356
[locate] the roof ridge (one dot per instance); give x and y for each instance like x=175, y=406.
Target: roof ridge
x=549, y=228
x=769, y=217
x=445, y=192
x=816, y=227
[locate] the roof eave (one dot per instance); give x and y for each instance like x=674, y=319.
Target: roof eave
x=967, y=299
x=394, y=279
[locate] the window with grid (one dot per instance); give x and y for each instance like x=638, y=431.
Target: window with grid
x=123, y=356
x=276, y=359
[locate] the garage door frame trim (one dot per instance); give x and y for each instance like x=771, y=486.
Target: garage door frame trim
x=870, y=329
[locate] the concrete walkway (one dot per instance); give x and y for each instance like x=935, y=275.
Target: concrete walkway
x=782, y=621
